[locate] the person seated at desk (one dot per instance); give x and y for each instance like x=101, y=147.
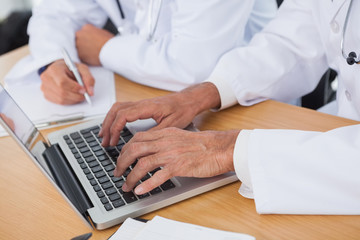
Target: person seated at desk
x=285, y=171
x=164, y=44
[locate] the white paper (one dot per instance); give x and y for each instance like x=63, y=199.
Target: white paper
x=3, y=132
x=128, y=230
x=26, y=92
x=160, y=228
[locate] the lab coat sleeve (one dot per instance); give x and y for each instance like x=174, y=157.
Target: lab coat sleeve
x=226, y=93
x=283, y=62
x=200, y=32
x=54, y=24
x=303, y=172
x=240, y=160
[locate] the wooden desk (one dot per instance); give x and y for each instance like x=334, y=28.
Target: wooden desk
x=32, y=209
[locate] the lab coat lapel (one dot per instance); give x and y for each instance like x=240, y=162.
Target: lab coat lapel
x=336, y=6
x=112, y=10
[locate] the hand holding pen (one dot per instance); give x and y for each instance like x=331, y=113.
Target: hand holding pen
x=69, y=63
x=60, y=86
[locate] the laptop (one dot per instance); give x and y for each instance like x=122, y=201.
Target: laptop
x=77, y=165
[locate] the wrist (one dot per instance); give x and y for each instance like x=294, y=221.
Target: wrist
x=223, y=144
x=232, y=137
x=203, y=97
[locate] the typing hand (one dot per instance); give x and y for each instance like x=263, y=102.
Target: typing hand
x=179, y=152
x=89, y=41
x=59, y=84
x=173, y=110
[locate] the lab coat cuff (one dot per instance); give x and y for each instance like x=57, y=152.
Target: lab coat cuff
x=116, y=54
x=227, y=96
x=241, y=167
x=56, y=55
x=107, y=52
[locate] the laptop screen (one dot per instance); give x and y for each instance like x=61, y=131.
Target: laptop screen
x=31, y=140
x=15, y=121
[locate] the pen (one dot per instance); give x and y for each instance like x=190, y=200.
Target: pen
x=69, y=63
x=83, y=237
x=72, y=118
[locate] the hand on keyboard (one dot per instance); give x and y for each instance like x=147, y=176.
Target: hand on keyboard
x=179, y=153
x=98, y=164
x=173, y=110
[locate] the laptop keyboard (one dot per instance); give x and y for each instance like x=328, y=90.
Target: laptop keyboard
x=98, y=164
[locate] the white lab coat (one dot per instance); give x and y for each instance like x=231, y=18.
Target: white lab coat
x=189, y=39
x=289, y=171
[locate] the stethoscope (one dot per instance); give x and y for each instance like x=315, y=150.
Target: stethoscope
x=153, y=16
x=351, y=58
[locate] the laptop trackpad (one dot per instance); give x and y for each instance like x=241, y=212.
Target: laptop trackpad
x=145, y=124
x=141, y=125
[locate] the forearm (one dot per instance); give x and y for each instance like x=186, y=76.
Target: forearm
x=296, y=172
x=276, y=61
x=187, y=52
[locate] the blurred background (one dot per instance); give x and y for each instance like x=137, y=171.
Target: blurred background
x=14, y=17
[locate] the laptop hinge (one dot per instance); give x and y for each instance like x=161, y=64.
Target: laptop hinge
x=65, y=178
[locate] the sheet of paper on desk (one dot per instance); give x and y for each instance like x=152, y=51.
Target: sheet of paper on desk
x=160, y=228
x=29, y=97
x=128, y=230
x=2, y=132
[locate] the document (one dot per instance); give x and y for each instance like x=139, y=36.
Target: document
x=128, y=230
x=2, y=132
x=27, y=94
x=160, y=228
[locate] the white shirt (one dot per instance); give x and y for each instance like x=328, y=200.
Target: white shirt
x=189, y=38
x=290, y=171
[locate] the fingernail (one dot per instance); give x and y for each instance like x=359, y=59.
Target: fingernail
x=82, y=91
x=125, y=187
x=116, y=174
x=139, y=190
x=91, y=90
